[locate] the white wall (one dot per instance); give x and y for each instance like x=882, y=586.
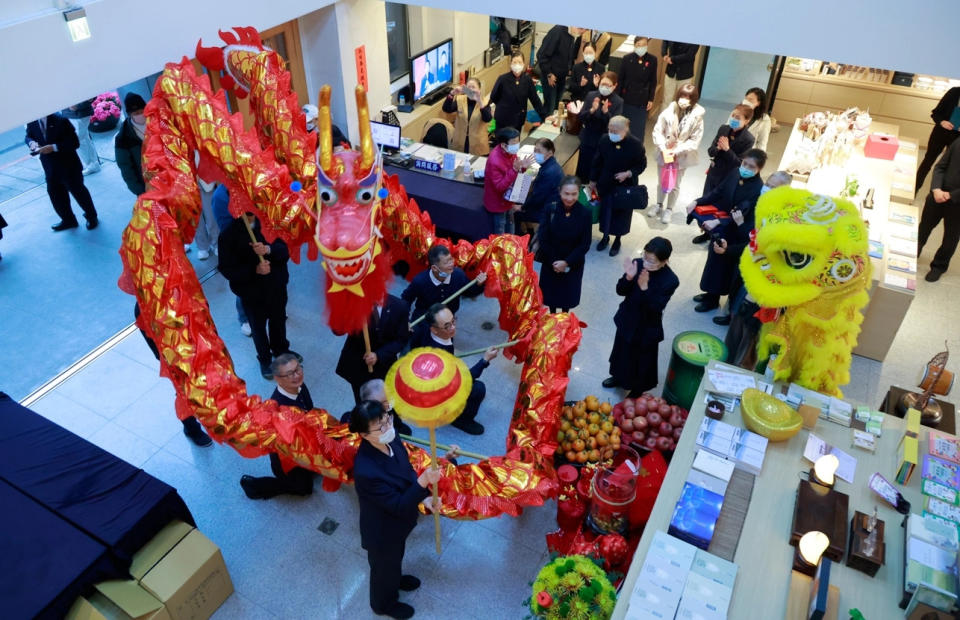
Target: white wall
x=469, y=31
x=43, y=70
x=919, y=37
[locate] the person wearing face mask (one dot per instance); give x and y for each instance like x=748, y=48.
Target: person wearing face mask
x=511, y=93
x=290, y=392
x=442, y=330
x=728, y=146
x=600, y=41
x=618, y=163
x=500, y=172
x=646, y=286
x=677, y=135
x=735, y=197
x=543, y=190
x=599, y=107
x=129, y=142
x=564, y=235
x=310, y=114
x=760, y=125
x=473, y=116
x=638, y=84
x=586, y=74
x=555, y=57
x=678, y=59
x=389, y=492
x=439, y=282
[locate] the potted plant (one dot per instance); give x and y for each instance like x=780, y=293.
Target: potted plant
x=106, y=112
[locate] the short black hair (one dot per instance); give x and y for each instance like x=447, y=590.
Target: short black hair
x=282, y=360
x=761, y=96
x=363, y=414
x=506, y=134
x=547, y=143
x=518, y=55
x=757, y=155
x=570, y=180
x=659, y=247
x=436, y=253
x=432, y=313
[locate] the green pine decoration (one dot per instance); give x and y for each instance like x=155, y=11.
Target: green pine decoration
x=572, y=588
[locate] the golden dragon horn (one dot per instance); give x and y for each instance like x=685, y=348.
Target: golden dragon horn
x=366, y=138
x=325, y=129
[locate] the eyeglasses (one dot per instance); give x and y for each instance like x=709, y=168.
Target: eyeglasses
x=383, y=427
x=296, y=371
x=450, y=324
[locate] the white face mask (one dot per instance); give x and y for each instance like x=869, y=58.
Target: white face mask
x=606, y=90
x=650, y=266
x=747, y=103
x=387, y=436
x=516, y=68
x=640, y=50
x=683, y=102
x=589, y=58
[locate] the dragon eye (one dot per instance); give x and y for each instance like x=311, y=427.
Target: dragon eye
x=328, y=196
x=797, y=260
x=364, y=195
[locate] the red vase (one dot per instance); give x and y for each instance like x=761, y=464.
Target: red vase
x=570, y=513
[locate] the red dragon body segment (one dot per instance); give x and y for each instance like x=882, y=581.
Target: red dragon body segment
x=359, y=236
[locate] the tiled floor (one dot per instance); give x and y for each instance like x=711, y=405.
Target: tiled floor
x=59, y=300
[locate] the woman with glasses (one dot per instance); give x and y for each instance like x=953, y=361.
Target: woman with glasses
x=389, y=491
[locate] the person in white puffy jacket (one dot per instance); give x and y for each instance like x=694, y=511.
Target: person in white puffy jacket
x=677, y=136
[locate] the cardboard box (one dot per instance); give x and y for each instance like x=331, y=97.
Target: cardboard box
x=191, y=580
x=82, y=609
x=158, y=546
x=118, y=600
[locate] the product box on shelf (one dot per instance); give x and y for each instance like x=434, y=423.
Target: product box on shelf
x=940, y=491
x=695, y=515
x=662, y=576
x=943, y=446
x=907, y=453
x=679, y=553
x=706, y=589
x=695, y=608
x=648, y=603
x=706, y=481
x=716, y=569
x=941, y=471
x=716, y=466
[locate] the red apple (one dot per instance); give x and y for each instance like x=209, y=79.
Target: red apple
x=641, y=406
x=663, y=443
x=629, y=414
x=676, y=419
x=650, y=443
x=676, y=434
x=640, y=424
x=629, y=402
x=665, y=410
x=638, y=436
x=653, y=432
x=684, y=413
x=618, y=410
x=673, y=445
x=626, y=425
x=654, y=418
x=666, y=429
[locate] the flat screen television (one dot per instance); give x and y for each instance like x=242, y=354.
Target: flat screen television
x=431, y=70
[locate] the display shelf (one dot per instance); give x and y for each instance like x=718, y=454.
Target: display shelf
x=765, y=556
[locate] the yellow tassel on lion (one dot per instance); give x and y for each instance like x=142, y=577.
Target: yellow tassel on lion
x=809, y=257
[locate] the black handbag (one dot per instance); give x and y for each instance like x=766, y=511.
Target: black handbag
x=629, y=198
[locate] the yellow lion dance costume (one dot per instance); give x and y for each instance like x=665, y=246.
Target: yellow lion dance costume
x=809, y=257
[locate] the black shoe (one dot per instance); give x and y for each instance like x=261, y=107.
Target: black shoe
x=92, y=223
x=933, y=275
x=470, y=427
x=723, y=319
x=699, y=297
x=409, y=583
x=400, y=611
x=615, y=248
x=64, y=226
x=194, y=431
x=401, y=427
x=603, y=244
x=702, y=238
x=609, y=382
x=251, y=488
x=266, y=372
x=706, y=306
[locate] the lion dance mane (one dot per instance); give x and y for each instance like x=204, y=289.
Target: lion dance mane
x=360, y=221
x=809, y=257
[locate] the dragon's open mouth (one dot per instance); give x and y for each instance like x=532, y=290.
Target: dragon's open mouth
x=350, y=269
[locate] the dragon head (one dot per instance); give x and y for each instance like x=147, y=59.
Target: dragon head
x=348, y=202
x=805, y=245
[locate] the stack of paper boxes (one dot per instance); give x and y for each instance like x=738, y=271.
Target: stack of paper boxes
x=745, y=449
x=940, y=478
x=701, y=499
x=909, y=448
x=679, y=581
x=930, y=576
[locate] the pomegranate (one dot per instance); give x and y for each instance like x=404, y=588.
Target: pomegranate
x=654, y=418
x=640, y=424
x=666, y=429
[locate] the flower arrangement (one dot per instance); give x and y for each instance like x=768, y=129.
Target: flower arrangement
x=572, y=587
x=106, y=106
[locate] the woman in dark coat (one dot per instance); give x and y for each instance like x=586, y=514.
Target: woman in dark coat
x=586, y=74
x=389, y=491
x=510, y=95
x=646, y=287
x=598, y=108
x=638, y=84
x=564, y=240
x=728, y=147
x=736, y=195
x=619, y=161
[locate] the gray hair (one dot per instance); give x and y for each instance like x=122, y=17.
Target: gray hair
x=619, y=122
x=282, y=360
x=779, y=178
x=371, y=387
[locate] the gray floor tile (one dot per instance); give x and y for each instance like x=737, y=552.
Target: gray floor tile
x=238, y=607
x=109, y=384
x=152, y=416
x=70, y=415
x=130, y=447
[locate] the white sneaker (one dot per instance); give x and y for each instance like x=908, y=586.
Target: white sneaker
x=654, y=211
x=186, y=248
x=245, y=329
x=665, y=216
x=203, y=254
x=91, y=169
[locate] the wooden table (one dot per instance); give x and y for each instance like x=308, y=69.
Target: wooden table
x=764, y=555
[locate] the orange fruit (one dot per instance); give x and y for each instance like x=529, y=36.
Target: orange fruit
x=594, y=418
x=581, y=457
x=592, y=403
x=583, y=434
x=606, y=407
x=592, y=443
x=607, y=453
x=606, y=427
x=567, y=413
x=580, y=407
x=565, y=426
x=560, y=435
x=593, y=429
x=579, y=445
x=594, y=455
x=571, y=435
x=615, y=444
x=602, y=438
x=571, y=455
